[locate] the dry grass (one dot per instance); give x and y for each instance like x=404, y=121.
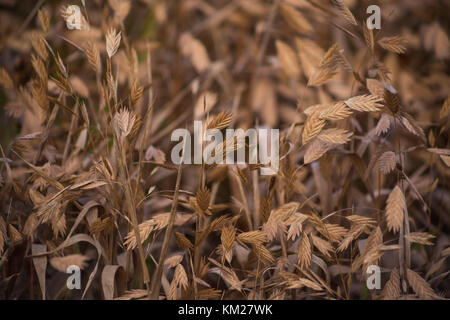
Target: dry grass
x=86, y=176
